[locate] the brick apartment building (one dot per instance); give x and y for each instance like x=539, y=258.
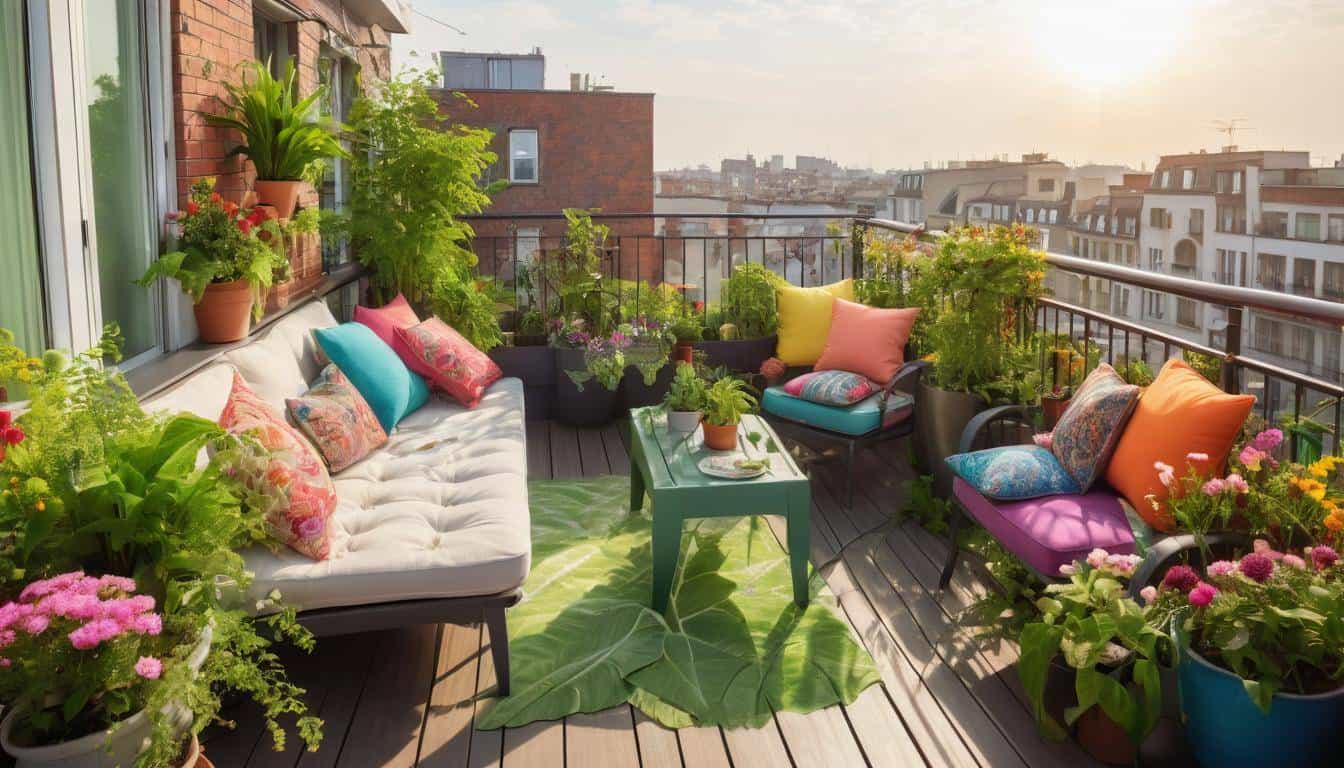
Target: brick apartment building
x=579, y=148
x=105, y=133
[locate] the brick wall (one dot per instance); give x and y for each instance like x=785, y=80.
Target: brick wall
x=212, y=40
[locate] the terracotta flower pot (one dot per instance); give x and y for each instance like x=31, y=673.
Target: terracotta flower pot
x=1052, y=408
x=1104, y=739
x=224, y=314
x=720, y=438
x=280, y=195
x=683, y=351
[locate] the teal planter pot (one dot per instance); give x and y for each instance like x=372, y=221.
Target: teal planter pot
x=1227, y=730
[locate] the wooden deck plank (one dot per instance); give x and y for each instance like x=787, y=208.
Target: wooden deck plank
x=658, y=747
x=592, y=454
x=820, y=738
x=446, y=739
x=538, y=449
x=603, y=739
x=618, y=457
x=702, y=747
x=353, y=656
x=391, y=712
x=306, y=671
x=758, y=747
x=880, y=731
x=487, y=747
x=565, y=461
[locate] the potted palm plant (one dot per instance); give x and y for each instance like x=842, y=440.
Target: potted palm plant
x=685, y=399
x=221, y=261
x=283, y=136
x=726, y=400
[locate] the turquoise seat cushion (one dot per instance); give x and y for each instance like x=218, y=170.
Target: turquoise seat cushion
x=390, y=388
x=1014, y=472
x=861, y=418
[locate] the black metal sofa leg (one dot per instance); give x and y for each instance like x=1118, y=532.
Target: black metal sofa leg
x=499, y=645
x=954, y=526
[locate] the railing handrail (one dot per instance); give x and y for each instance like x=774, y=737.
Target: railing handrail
x=1214, y=293
x=658, y=215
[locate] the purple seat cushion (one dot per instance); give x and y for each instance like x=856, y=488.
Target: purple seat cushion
x=1051, y=531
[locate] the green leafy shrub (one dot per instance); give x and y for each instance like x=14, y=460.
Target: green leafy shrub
x=687, y=392
x=748, y=300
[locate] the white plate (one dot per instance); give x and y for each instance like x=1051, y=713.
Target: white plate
x=721, y=465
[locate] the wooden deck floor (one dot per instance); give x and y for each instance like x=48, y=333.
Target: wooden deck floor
x=404, y=698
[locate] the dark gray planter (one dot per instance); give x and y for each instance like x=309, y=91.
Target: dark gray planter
x=536, y=367
x=592, y=406
x=741, y=356
x=636, y=394
x=943, y=416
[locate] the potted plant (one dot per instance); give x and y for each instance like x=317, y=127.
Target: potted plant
x=726, y=400
x=648, y=373
x=976, y=294
x=531, y=329
x=1091, y=630
x=532, y=361
x=749, y=319
x=122, y=638
x=282, y=135
x=1054, y=403
x=589, y=370
x=687, y=331
x=685, y=399
x=222, y=262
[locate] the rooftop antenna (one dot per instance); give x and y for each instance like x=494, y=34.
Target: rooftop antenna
x=1230, y=127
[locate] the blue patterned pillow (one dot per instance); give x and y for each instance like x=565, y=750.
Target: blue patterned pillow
x=839, y=388
x=1013, y=472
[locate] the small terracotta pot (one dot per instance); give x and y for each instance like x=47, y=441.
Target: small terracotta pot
x=280, y=195
x=720, y=438
x=1052, y=408
x=224, y=314
x=1104, y=739
x=683, y=351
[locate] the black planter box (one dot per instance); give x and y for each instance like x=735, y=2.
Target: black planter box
x=592, y=406
x=636, y=394
x=743, y=356
x=536, y=367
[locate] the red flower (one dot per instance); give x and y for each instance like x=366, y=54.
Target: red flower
x=244, y=226
x=256, y=216
x=266, y=212
x=6, y=418
x=699, y=306
x=230, y=208
x=192, y=207
x=13, y=434
x=215, y=198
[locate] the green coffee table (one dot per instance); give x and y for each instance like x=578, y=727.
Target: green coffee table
x=664, y=465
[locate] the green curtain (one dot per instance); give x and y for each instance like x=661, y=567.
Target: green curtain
x=20, y=262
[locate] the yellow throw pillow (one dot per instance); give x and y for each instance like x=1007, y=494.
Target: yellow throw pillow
x=805, y=320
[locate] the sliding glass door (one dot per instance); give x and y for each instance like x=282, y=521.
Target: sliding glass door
x=21, y=306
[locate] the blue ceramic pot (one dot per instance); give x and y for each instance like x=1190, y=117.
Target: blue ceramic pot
x=1227, y=730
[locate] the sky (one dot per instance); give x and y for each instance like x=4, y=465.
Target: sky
x=897, y=83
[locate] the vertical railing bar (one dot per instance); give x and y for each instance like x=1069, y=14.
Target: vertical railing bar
x=1299, y=392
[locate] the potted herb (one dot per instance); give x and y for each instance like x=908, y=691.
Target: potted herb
x=1091, y=630
x=222, y=262
x=749, y=319
x=685, y=399
x=282, y=135
x=726, y=400
x=687, y=331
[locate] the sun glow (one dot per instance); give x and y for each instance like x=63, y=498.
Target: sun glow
x=1098, y=46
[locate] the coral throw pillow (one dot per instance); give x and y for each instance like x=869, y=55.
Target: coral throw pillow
x=452, y=363
x=389, y=388
x=1091, y=426
x=866, y=340
x=1180, y=413
x=337, y=419
x=296, y=490
x=385, y=320
x=805, y=320
x=1013, y=472
x=830, y=387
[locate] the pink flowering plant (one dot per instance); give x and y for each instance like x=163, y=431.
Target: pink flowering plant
x=1200, y=498
x=1092, y=625
x=1275, y=619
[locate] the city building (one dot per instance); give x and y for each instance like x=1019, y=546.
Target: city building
x=1103, y=228
x=465, y=70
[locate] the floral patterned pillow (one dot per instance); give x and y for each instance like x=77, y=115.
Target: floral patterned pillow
x=336, y=418
x=1090, y=427
x=1013, y=472
x=450, y=362
x=838, y=388
x=291, y=483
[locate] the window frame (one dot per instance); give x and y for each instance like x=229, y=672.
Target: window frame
x=535, y=157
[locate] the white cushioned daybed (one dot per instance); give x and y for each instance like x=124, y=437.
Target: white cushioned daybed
x=432, y=527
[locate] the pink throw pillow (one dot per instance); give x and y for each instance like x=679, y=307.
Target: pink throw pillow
x=293, y=484
x=866, y=340
x=337, y=419
x=448, y=360
x=385, y=320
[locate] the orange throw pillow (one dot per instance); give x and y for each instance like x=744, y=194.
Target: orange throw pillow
x=866, y=340
x=1180, y=413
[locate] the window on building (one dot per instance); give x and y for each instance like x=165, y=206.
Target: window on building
x=1334, y=227
x=1164, y=179
x=1154, y=305
x=338, y=73
x=1231, y=218
x=1268, y=335
x=523, y=159
x=1330, y=353
x=1155, y=259
x=1101, y=223
x=1187, y=312
x=1222, y=182
x=270, y=42
x=1308, y=226
x=1332, y=282
x=1131, y=225
x=1302, y=344
x=1236, y=182
x=1054, y=215
x=1158, y=218
x=1045, y=185
x=1304, y=277
x=1274, y=224
x=1031, y=215
x=1120, y=301
x=1185, y=260
x=1187, y=178
x=1271, y=271
x=1197, y=221
x=22, y=307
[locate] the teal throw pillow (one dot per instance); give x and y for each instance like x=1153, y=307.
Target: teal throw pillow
x=387, y=385
x=1013, y=472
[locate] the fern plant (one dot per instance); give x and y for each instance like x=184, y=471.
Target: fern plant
x=282, y=135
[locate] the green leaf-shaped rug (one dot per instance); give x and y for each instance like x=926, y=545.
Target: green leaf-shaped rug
x=731, y=648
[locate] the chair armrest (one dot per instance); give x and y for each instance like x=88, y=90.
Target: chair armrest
x=985, y=418
x=908, y=369
x=1168, y=550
